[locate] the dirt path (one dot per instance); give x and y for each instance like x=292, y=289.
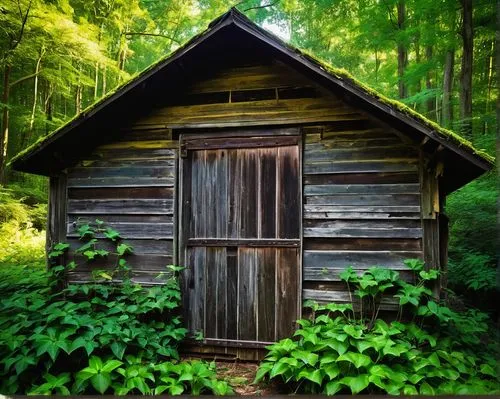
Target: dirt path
x=240, y=376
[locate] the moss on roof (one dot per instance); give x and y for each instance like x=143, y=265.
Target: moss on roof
x=339, y=74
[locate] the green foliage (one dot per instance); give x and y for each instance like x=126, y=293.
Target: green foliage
x=22, y=235
x=339, y=350
x=95, y=337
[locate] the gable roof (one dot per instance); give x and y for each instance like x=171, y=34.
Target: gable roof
x=53, y=152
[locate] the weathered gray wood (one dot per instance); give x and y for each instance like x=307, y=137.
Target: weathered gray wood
x=360, y=215
x=134, y=230
x=383, y=208
x=287, y=280
x=243, y=242
x=210, y=298
x=365, y=200
x=140, y=247
x=122, y=206
x=406, y=165
x=289, y=200
x=122, y=182
x=266, y=291
x=362, y=178
x=363, y=244
x=220, y=262
x=91, y=172
x=139, y=277
x=247, y=268
x=345, y=232
x=322, y=296
x=338, y=259
x=358, y=154
x=56, y=216
x=144, y=262
x=330, y=189
x=240, y=142
x=332, y=274
x=121, y=193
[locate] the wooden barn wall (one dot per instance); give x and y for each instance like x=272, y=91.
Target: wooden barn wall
x=129, y=184
x=362, y=206
x=361, y=182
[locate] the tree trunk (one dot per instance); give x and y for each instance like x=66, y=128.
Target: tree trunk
x=447, y=113
x=431, y=102
x=4, y=137
x=402, y=52
x=27, y=138
x=466, y=72
x=96, y=80
x=104, y=80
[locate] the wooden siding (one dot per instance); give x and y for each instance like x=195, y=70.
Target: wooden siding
x=361, y=206
x=130, y=185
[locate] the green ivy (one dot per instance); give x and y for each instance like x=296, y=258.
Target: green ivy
x=435, y=350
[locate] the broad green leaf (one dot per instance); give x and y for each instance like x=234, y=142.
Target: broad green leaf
x=315, y=376
x=278, y=369
x=118, y=349
x=488, y=370
x=356, y=384
x=427, y=390
x=332, y=387
x=357, y=359
x=110, y=365
x=410, y=390
x=338, y=346
x=331, y=370
x=434, y=360
x=101, y=382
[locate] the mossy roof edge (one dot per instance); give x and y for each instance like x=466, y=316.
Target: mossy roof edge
x=339, y=74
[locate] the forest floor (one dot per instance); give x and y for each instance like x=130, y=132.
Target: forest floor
x=240, y=375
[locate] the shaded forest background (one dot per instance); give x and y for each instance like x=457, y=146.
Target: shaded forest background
x=439, y=57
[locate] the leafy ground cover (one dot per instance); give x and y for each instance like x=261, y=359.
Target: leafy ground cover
x=94, y=338
x=434, y=351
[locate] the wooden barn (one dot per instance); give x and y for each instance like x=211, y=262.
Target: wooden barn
x=259, y=169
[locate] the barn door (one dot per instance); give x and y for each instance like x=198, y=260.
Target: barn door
x=239, y=237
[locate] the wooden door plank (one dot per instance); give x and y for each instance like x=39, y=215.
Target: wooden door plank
x=266, y=287
x=247, y=268
x=286, y=291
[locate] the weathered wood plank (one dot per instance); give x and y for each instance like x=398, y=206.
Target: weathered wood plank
x=121, y=182
x=360, y=215
x=124, y=154
x=221, y=289
x=232, y=294
x=267, y=193
x=140, y=247
x=91, y=172
x=362, y=166
x=322, y=296
x=134, y=230
x=346, y=232
x=390, y=209
x=369, y=200
x=364, y=224
x=248, y=192
x=240, y=142
x=288, y=192
x=362, y=178
x=146, y=278
x=121, y=206
x=253, y=77
x=247, y=268
x=242, y=242
x=197, y=302
x=287, y=289
x=329, y=189
x=362, y=244
x=121, y=192
x=102, y=164
x=341, y=259
x=140, y=145
x=121, y=218
x=210, y=299
x=358, y=154
x=266, y=291
x=144, y=262
x=332, y=274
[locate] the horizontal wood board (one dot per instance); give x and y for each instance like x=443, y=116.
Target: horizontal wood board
x=361, y=207
x=129, y=183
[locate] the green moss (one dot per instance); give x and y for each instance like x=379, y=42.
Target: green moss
x=340, y=74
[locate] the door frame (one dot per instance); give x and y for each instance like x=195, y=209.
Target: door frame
x=181, y=217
